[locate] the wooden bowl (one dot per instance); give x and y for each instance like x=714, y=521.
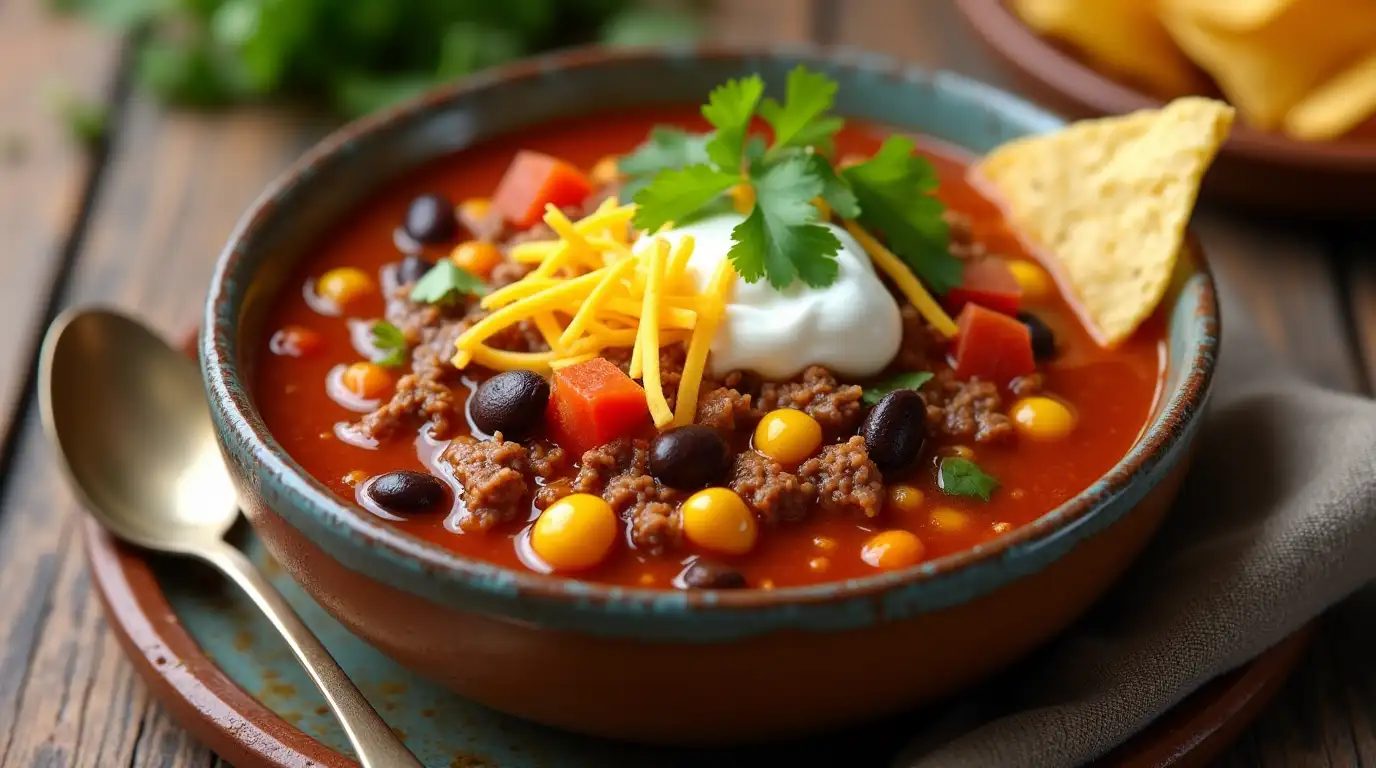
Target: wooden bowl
x=1259, y=170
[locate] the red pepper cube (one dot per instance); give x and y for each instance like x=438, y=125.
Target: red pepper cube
x=992, y=346
x=534, y=180
x=593, y=403
x=987, y=282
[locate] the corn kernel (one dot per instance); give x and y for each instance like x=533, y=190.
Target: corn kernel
x=355, y=477
x=605, y=171
x=474, y=209
x=343, y=286
x=950, y=520
x=787, y=436
x=1042, y=418
x=647, y=579
x=1036, y=284
x=906, y=498
x=718, y=519
x=478, y=257
x=1002, y=528
x=964, y=452
x=295, y=341
x=819, y=564
x=824, y=543
x=575, y=532
x=766, y=583
x=891, y=550
x=367, y=380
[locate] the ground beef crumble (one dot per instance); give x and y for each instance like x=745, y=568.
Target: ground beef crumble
x=965, y=409
x=619, y=472
x=847, y=481
x=774, y=493
x=726, y=411
x=494, y=475
x=837, y=407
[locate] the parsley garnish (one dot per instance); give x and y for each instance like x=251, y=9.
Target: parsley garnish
x=390, y=343
x=911, y=380
x=962, y=477
x=445, y=282
x=676, y=176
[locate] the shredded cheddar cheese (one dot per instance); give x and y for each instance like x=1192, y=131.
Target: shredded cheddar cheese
x=905, y=280
x=591, y=290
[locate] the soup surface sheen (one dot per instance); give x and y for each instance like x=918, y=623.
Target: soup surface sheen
x=1111, y=393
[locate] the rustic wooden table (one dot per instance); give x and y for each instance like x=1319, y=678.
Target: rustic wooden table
x=138, y=222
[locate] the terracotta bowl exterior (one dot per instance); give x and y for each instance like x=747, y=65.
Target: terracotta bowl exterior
x=1258, y=170
x=654, y=665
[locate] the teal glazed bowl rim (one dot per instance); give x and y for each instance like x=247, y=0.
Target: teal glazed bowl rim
x=873, y=87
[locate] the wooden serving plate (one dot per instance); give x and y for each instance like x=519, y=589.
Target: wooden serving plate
x=1256, y=169
x=222, y=672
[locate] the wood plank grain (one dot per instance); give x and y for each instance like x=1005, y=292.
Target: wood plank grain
x=759, y=22
x=66, y=694
x=44, y=176
x=928, y=33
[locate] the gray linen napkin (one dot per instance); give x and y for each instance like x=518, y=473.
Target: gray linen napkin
x=1275, y=523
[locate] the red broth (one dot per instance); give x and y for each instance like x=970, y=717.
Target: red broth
x=1112, y=392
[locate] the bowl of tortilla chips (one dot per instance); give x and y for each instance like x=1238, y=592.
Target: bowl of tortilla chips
x=1301, y=73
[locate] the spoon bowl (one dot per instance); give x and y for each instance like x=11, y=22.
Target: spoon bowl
x=130, y=419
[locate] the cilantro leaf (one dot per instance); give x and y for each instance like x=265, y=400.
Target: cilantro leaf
x=895, y=192
x=910, y=380
x=835, y=190
x=798, y=121
x=666, y=148
x=962, y=477
x=445, y=282
x=781, y=238
x=390, y=344
x=729, y=108
x=674, y=195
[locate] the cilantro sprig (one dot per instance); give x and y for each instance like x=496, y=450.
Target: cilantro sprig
x=909, y=380
x=676, y=176
x=962, y=477
x=390, y=344
x=445, y=282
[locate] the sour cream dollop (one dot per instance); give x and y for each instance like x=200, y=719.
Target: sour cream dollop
x=852, y=326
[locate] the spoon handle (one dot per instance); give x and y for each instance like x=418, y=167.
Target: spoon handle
x=372, y=739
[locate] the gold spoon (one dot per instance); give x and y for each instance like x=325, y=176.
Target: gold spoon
x=128, y=416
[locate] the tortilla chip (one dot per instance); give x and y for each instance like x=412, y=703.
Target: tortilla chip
x=1109, y=200
x=1336, y=107
x=1267, y=61
x=1122, y=37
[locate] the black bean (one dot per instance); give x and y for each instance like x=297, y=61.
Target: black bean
x=1043, y=340
x=705, y=574
x=512, y=403
x=894, y=430
x=413, y=268
x=689, y=458
x=430, y=220
x=406, y=491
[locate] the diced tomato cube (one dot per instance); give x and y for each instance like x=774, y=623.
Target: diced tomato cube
x=992, y=346
x=534, y=180
x=593, y=403
x=987, y=282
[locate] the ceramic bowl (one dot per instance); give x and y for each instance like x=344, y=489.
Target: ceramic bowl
x=1260, y=170
x=671, y=666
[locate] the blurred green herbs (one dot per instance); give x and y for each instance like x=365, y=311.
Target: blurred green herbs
x=358, y=55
